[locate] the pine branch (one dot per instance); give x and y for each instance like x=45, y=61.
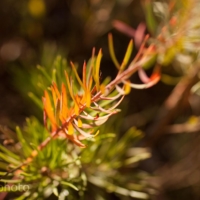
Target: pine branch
x=75, y=116
x=70, y=118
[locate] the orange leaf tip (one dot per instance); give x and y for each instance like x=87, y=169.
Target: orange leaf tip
x=97, y=133
x=88, y=99
x=70, y=129
x=76, y=109
x=80, y=124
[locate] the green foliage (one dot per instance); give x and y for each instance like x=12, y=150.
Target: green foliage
x=60, y=168
x=39, y=78
x=108, y=162
x=150, y=17
x=57, y=167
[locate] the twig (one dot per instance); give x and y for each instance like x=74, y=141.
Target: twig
x=173, y=105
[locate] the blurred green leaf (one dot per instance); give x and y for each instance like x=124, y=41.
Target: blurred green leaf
x=149, y=15
x=69, y=184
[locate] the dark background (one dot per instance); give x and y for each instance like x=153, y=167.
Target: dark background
x=35, y=31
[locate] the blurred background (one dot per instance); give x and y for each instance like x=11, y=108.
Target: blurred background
x=34, y=32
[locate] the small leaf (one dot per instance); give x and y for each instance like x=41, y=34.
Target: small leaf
x=70, y=185
x=35, y=99
x=97, y=68
x=8, y=152
x=143, y=76
x=55, y=191
x=27, y=150
x=10, y=181
x=86, y=135
x=127, y=55
x=150, y=19
x=84, y=76
x=76, y=108
x=70, y=129
x=80, y=123
x=64, y=102
x=3, y=173
x=49, y=110
x=112, y=52
x=88, y=98
x=42, y=69
x=56, y=90
x=63, y=194
x=54, y=95
x=169, y=55
x=169, y=80
x=57, y=111
x=127, y=87
x=69, y=86
x=90, y=83
x=9, y=159
x=76, y=74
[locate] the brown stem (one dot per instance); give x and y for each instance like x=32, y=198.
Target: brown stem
x=173, y=105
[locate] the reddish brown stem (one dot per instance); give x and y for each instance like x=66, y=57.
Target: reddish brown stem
x=173, y=105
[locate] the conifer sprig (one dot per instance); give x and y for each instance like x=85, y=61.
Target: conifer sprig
x=76, y=116
x=70, y=113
